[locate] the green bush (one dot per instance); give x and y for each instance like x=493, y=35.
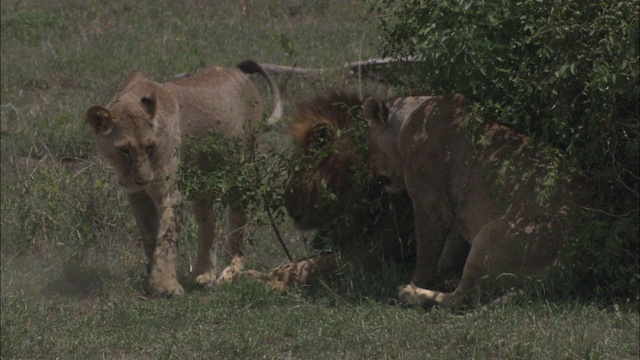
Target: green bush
x=234, y=176
x=565, y=73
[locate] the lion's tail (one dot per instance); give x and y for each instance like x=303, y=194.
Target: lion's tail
x=252, y=67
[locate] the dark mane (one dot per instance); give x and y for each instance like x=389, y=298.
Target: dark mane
x=356, y=218
x=336, y=108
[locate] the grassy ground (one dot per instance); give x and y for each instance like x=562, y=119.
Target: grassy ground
x=71, y=265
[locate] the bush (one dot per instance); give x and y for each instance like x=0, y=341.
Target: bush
x=565, y=73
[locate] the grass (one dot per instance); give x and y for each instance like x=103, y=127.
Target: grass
x=70, y=260
x=243, y=320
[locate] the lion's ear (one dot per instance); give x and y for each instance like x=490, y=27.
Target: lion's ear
x=149, y=103
x=100, y=120
x=375, y=112
x=320, y=134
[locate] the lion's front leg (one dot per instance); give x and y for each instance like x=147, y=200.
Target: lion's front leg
x=163, y=278
x=146, y=217
x=454, y=254
x=234, y=244
x=431, y=231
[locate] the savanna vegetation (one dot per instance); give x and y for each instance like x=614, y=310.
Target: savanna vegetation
x=71, y=263
x=565, y=73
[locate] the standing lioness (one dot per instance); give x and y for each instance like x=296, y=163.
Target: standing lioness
x=140, y=133
x=508, y=200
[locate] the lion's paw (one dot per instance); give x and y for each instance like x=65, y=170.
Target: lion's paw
x=168, y=287
x=229, y=274
x=206, y=279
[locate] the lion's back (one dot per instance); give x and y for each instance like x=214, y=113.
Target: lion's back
x=217, y=100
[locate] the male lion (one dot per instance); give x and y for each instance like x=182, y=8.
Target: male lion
x=143, y=134
x=354, y=219
x=516, y=223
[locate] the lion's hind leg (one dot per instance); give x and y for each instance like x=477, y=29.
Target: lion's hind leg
x=206, y=260
x=234, y=244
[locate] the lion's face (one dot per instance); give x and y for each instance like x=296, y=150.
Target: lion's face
x=323, y=162
x=384, y=158
x=322, y=173
x=125, y=137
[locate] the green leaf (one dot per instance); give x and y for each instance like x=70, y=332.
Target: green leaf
x=561, y=71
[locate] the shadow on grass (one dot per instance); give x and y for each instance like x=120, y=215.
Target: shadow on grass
x=77, y=280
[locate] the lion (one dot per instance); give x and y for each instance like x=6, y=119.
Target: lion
x=503, y=197
x=145, y=133
x=355, y=221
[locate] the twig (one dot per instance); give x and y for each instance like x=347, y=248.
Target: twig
x=286, y=79
x=629, y=126
x=360, y=67
x=607, y=213
x=617, y=172
x=275, y=229
x=81, y=170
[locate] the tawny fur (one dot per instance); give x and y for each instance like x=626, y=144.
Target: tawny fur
x=143, y=134
x=327, y=151
x=486, y=193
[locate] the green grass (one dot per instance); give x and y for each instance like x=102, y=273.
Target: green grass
x=244, y=320
x=70, y=260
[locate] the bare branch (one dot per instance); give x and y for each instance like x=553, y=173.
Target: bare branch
x=362, y=66
x=288, y=70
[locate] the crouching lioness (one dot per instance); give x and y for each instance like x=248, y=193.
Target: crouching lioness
x=143, y=134
x=503, y=197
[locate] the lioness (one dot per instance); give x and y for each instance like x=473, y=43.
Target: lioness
x=356, y=221
x=461, y=192
x=141, y=134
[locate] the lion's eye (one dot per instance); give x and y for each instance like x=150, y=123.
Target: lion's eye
x=124, y=151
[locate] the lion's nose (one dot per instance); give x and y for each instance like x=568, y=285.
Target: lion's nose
x=384, y=180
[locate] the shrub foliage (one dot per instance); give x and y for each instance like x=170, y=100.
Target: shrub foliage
x=563, y=72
